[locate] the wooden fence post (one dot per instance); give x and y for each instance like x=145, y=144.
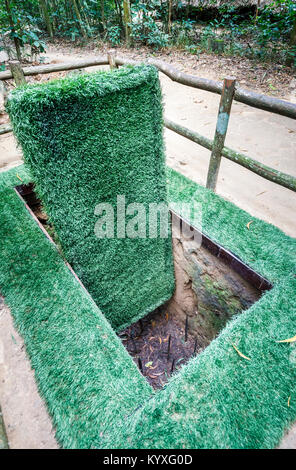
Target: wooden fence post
x=221, y=129
x=17, y=72
x=3, y=95
x=127, y=19
x=111, y=60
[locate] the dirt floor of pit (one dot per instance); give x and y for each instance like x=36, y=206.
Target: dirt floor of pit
x=159, y=346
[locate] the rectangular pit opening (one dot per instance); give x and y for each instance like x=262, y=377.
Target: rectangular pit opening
x=212, y=285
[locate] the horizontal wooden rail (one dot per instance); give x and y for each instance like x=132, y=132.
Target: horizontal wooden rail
x=256, y=100
x=253, y=165
x=5, y=129
x=262, y=170
x=50, y=68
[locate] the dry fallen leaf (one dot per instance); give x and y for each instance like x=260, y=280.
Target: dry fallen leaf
x=289, y=340
x=240, y=353
x=248, y=224
x=289, y=400
x=262, y=192
x=19, y=177
x=160, y=340
x=167, y=316
x=149, y=365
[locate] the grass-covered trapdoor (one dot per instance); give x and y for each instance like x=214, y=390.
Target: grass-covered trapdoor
x=87, y=140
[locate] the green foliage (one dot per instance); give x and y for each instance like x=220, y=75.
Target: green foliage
x=64, y=22
x=194, y=50
x=265, y=38
x=183, y=33
x=146, y=27
x=148, y=33
x=23, y=25
x=114, y=35
x=29, y=36
x=85, y=136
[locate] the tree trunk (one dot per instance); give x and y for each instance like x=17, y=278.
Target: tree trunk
x=293, y=33
x=17, y=72
x=102, y=3
x=46, y=17
x=127, y=18
x=119, y=13
x=257, y=10
x=16, y=40
x=55, y=9
x=292, y=43
x=169, y=16
x=81, y=6
x=77, y=13
x=188, y=9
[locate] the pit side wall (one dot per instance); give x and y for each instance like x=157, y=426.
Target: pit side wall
x=208, y=291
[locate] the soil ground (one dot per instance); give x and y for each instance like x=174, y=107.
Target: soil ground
x=159, y=346
x=266, y=137
x=27, y=423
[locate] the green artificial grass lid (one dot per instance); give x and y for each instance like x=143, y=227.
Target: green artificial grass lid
x=86, y=140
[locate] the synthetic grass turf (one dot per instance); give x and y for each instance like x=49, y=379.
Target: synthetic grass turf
x=89, y=382
x=87, y=139
x=218, y=400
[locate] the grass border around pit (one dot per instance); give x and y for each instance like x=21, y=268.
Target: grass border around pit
x=218, y=400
